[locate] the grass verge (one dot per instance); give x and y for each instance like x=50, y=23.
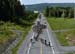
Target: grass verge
x=6, y=33
x=65, y=38
x=61, y=23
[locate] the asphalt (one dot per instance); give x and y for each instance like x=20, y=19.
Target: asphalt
x=24, y=48
x=52, y=39
x=39, y=47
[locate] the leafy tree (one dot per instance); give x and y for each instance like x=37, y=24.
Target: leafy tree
x=67, y=12
x=47, y=11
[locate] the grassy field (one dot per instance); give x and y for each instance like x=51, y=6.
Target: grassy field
x=66, y=38
x=61, y=23
x=6, y=34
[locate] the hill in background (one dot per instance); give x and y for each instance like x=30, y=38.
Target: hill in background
x=41, y=6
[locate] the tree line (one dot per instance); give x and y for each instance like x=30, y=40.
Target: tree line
x=67, y=12
x=13, y=11
x=10, y=8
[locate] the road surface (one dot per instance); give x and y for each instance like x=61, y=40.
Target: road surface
x=39, y=47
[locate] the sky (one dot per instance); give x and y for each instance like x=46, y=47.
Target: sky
x=28, y=2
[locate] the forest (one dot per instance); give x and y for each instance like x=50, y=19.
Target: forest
x=13, y=16
x=66, y=12
x=13, y=11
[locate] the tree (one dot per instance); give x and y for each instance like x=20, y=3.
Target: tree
x=10, y=8
x=47, y=11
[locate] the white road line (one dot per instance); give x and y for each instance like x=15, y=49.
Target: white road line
x=41, y=48
x=50, y=39
x=30, y=44
x=50, y=42
x=25, y=50
x=31, y=38
x=29, y=48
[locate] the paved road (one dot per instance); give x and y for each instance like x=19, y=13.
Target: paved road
x=51, y=37
x=23, y=49
x=68, y=48
x=25, y=45
x=38, y=47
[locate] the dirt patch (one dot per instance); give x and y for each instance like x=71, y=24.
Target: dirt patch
x=70, y=39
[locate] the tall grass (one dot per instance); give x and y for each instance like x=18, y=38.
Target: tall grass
x=61, y=23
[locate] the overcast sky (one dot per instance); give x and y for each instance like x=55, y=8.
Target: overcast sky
x=26, y=2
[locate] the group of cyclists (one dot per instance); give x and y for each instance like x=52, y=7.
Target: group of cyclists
x=43, y=41
x=38, y=28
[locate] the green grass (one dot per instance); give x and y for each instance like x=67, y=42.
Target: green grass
x=7, y=36
x=61, y=38
x=61, y=23
x=6, y=33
